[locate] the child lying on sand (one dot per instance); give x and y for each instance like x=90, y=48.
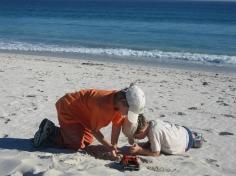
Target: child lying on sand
x=164, y=138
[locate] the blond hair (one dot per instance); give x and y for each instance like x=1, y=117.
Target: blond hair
x=142, y=123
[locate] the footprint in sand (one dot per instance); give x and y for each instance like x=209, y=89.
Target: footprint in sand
x=92, y=64
x=45, y=156
x=192, y=108
x=31, y=96
x=26, y=170
x=212, y=162
x=181, y=113
x=204, y=93
x=224, y=104
x=190, y=165
x=225, y=133
x=5, y=135
x=45, y=98
x=6, y=120
x=160, y=169
x=41, y=80
x=205, y=83
x=150, y=109
x=162, y=115
x=229, y=115
x=208, y=130
x=40, y=90
x=219, y=101
x=145, y=160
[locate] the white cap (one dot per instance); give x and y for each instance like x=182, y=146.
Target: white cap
x=136, y=100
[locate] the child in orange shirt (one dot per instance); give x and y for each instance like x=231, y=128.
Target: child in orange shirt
x=82, y=114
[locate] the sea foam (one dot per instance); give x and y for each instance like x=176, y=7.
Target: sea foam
x=122, y=52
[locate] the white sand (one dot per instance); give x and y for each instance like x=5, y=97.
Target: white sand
x=30, y=85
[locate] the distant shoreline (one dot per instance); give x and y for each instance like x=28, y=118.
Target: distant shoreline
x=126, y=60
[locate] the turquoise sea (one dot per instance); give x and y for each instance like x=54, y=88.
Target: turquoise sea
x=180, y=31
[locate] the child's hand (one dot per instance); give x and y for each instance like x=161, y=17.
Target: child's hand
x=113, y=150
x=135, y=148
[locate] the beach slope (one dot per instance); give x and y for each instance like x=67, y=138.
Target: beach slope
x=30, y=85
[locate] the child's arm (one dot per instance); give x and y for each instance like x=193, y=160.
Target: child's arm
x=115, y=135
x=99, y=136
x=136, y=149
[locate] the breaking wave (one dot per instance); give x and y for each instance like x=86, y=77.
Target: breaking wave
x=121, y=52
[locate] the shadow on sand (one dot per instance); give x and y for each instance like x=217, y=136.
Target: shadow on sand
x=96, y=151
x=26, y=145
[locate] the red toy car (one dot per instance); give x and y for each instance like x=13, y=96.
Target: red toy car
x=130, y=162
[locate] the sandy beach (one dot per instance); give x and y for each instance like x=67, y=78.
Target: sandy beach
x=30, y=85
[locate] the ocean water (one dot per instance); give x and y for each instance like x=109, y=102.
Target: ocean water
x=195, y=32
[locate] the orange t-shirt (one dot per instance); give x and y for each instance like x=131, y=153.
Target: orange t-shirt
x=94, y=109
